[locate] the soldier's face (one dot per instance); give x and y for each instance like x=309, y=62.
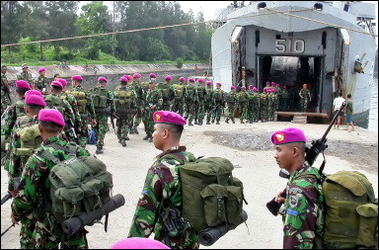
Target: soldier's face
x=159, y=135
x=284, y=156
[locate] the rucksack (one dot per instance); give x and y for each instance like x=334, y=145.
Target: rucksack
x=211, y=195
x=351, y=211
x=179, y=90
x=99, y=97
x=166, y=90
x=77, y=185
x=30, y=140
x=124, y=102
x=54, y=102
x=81, y=100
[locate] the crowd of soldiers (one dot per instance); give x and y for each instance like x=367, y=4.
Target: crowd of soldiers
x=133, y=102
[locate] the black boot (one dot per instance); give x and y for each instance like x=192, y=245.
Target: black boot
x=123, y=143
x=99, y=150
x=146, y=137
x=150, y=139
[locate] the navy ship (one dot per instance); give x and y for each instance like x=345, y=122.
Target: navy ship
x=328, y=45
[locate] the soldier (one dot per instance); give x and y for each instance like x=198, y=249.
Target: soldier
x=33, y=195
x=15, y=110
x=256, y=105
x=252, y=99
x=71, y=99
x=305, y=96
x=263, y=100
x=85, y=107
x=125, y=101
x=209, y=102
x=5, y=90
x=200, y=100
x=162, y=186
x=26, y=75
x=154, y=102
x=266, y=87
x=25, y=140
x=168, y=92
x=178, y=103
x=243, y=103
x=219, y=104
x=42, y=81
x=140, y=102
x=302, y=210
x=232, y=102
x=104, y=107
x=284, y=103
x=190, y=97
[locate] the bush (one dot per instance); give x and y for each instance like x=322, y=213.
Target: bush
x=179, y=62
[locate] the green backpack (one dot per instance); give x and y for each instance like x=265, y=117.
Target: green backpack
x=166, y=90
x=78, y=184
x=211, y=195
x=351, y=211
x=54, y=102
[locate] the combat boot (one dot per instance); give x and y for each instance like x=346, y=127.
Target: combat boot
x=200, y=122
x=208, y=123
x=218, y=122
x=123, y=143
x=146, y=137
x=127, y=138
x=99, y=150
x=227, y=120
x=150, y=139
x=135, y=130
x=190, y=124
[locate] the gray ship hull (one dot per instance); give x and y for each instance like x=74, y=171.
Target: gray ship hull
x=296, y=43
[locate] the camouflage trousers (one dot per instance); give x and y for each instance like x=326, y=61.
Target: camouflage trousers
x=148, y=122
x=190, y=112
x=231, y=111
x=199, y=112
x=218, y=113
x=26, y=232
x=124, y=124
x=137, y=118
x=253, y=113
x=208, y=110
x=101, y=128
x=264, y=113
x=243, y=110
x=304, y=104
x=178, y=106
x=83, y=138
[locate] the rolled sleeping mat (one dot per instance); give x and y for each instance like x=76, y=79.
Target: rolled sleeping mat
x=209, y=236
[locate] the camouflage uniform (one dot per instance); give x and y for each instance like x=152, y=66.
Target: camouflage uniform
x=17, y=162
x=208, y=104
x=284, y=103
x=305, y=100
x=199, y=104
x=263, y=100
x=125, y=101
x=190, y=97
x=232, y=101
x=42, y=83
x=243, y=102
x=26, y=77
x=253, y=110
x=140, y=105
x=5, y=93
x=86, y=111
x=103, y=108
x=178, y=104
x=168, y=94
x=77, y=121
x=302, y=209
x=154, y=102
x=16, y=110
x=162, y=187
x=33, y=199
x=219, y=104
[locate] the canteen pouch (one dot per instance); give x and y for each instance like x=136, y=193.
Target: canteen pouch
x=234, y=206
x=214, y=198
x=368, y=225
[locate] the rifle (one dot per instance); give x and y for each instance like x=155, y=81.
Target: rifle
x=71, y=131
x=6, y=230
x=6, y=197
x=112, y=122
x=318, y=147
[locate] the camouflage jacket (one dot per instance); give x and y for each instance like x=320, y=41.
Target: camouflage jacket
x=16, y=110
x=154, y=100
x=72, y=102
x=33, y=194
x=302, y=210
x=26, y=77
x=41, y=83
x=305, y=93
x=162, y=187
x=140, y=95
x=90, y=109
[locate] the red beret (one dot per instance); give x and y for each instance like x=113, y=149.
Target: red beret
x=76, y=78
x=168, y=117
x=218, y=84
x=51, y=115
x=243, y=87
x=102, y=78
x=124, y=79
x=35, y=99
x=136, y=75
x=33, y=92
x=255, y=89
x=41, y=70
x=168, y=78
x=182, y=79
x=201, y=80
x=22, y=84
x=152, y=75
x=56, y=83
x=288, y=135
x=62, y=81
x=233, y=87
x=209, y=83
x=191, y=80
x=139, y=243
x=272, y=83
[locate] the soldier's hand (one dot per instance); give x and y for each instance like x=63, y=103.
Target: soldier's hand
x=279, y=198
x=14, y=219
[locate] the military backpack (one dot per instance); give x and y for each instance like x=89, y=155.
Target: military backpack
x=30, y=139
x=179, y=90
x=81, y=100
x=167, y=92
x=350, y=210
x=100, y=98
x=78, y=185
x=124, y=101
x=211, y=195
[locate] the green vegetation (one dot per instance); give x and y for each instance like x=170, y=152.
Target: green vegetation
x=24, y=21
